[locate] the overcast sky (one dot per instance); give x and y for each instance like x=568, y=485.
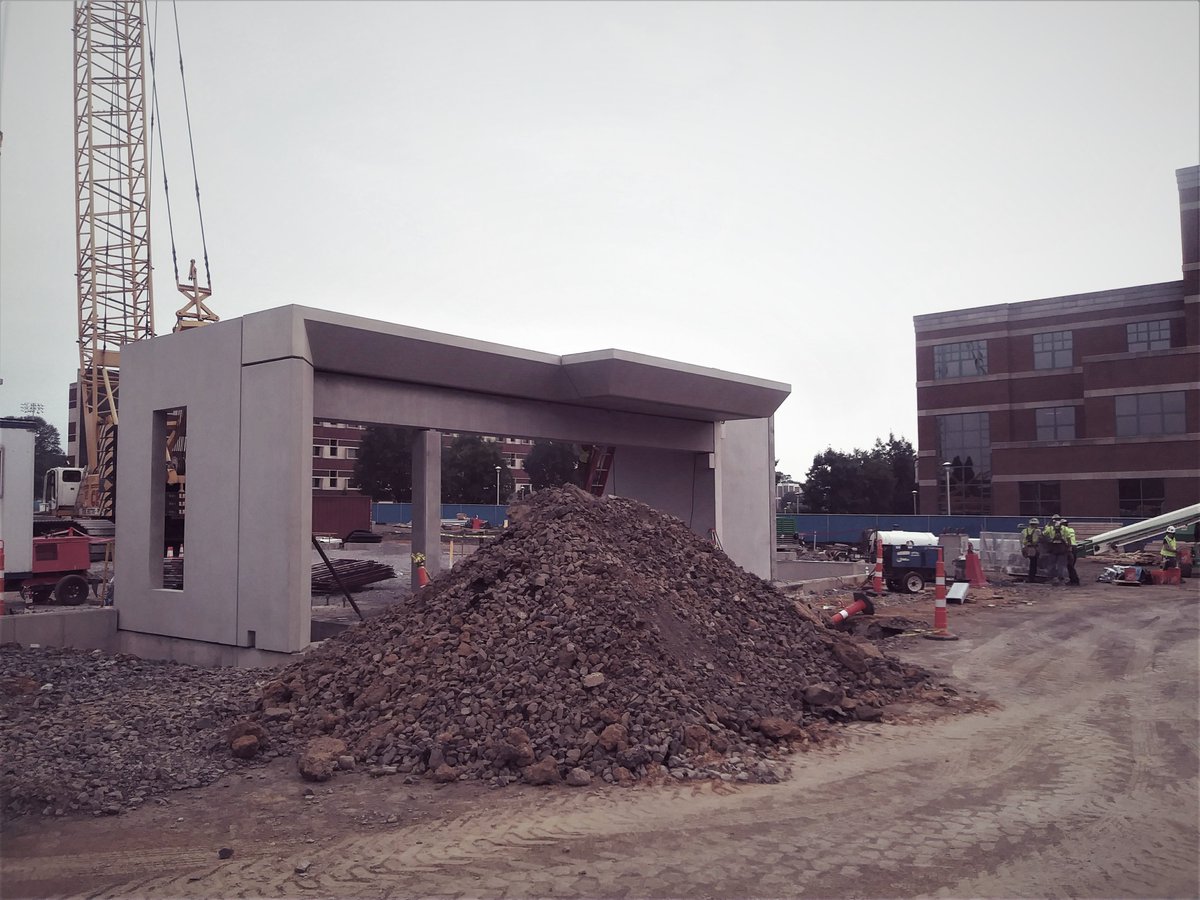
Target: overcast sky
x=772, y=189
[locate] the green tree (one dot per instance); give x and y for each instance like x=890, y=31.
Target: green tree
x=902, y=460
x=553, y=463
x=383, y=468
x=469, y=472
x=47, y=449
x=879, y=480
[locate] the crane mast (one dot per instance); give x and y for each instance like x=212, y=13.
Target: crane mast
x=112, y=212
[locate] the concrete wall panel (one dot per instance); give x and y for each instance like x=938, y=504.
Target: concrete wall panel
x=275, y=512
x=84, y=629
x=746, y=493
x=199, y=369
x=16, y=498
x=678, y=483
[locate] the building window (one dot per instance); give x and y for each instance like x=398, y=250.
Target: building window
x=351, y=452
x=1056, y=423
x=960, y=360
x=1148, y=335
x=1149, y=414
x=1140, y=497
x=1052, y=350
x=964, y=441
x=1039, y=498
x=316, y=449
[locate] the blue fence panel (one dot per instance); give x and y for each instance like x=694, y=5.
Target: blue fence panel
x=401, y=513
x=847, y=529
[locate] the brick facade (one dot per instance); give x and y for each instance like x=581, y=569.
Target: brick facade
x=1087, y=405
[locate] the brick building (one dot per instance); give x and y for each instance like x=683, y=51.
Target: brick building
x=1087, y=405
x=335, y=450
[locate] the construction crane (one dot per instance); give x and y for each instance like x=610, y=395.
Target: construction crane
x=113, y=149
x=112, y=217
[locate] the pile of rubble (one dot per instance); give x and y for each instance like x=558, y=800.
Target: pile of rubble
x=594, y=639
x=87, y=732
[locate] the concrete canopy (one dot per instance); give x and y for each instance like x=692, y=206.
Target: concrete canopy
x=694, y=442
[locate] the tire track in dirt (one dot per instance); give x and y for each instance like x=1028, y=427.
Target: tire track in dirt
x=1061, y=791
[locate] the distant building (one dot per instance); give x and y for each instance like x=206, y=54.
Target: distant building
x=1088, y=405
x=784, y=491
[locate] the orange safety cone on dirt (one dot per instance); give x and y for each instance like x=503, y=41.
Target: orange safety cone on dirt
x=941, y=622
x=422, y=576
x=974, y=568
x=862, y=603
x=877, y=580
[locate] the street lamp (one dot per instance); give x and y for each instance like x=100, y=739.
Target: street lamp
x=498, y=485
x=946, y=466
x=914, y=493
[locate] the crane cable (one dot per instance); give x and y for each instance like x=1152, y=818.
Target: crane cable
x=156, y=115
x=191, y=146
x=162, y=151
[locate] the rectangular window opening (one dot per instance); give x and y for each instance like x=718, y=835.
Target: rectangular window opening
x=1142, y=336
x=1053, y=350
x=1140, y=497
x=170, y=440
x=960, y=360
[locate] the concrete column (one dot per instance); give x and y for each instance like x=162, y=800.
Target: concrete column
x=274, y=559
x=427, y=500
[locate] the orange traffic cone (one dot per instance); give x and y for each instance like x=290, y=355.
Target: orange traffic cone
x=941, y=622
x=422, y=576
x=974, y=568
x=861, y=604
x=877, y=580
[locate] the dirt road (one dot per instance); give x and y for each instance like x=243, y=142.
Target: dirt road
x=1082, y=781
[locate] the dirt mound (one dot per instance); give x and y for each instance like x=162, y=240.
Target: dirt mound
x=595, y=638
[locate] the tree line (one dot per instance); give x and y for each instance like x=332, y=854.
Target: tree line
x=470, y=466
x=875, y=481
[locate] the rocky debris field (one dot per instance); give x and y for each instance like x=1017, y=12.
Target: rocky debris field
x=87, y=732
x=596, y=639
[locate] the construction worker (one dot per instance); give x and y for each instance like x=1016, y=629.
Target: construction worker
x=1060, y=549
x=1072, y=575
x=1031, y=538
x=1170, y=548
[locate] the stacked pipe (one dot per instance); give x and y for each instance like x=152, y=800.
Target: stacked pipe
x=354, y=573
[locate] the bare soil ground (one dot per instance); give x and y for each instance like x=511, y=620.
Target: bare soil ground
x=1080, y=779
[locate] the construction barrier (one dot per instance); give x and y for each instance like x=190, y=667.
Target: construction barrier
x=974, y=569
x=861, y=603
x=877, y=580
x=941, y=620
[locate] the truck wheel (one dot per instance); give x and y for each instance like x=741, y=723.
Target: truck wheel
x=71, y=590
x=913, y=582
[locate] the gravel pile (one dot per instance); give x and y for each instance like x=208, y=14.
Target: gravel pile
x=86, y=732
x=594, y=639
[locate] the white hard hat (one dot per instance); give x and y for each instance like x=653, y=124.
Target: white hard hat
x=1170, y=529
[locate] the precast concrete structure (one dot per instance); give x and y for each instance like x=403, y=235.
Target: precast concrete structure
x=693, y=442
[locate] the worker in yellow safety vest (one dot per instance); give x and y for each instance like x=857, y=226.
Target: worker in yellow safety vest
x=1031, y=538
x=1060, y=549
x=1072, y=575
x=1170, y=548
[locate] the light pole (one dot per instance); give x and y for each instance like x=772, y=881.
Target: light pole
x=497, y=485
x=914, y=493
x=946, y=466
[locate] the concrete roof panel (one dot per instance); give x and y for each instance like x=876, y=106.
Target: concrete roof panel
x=603, y=379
